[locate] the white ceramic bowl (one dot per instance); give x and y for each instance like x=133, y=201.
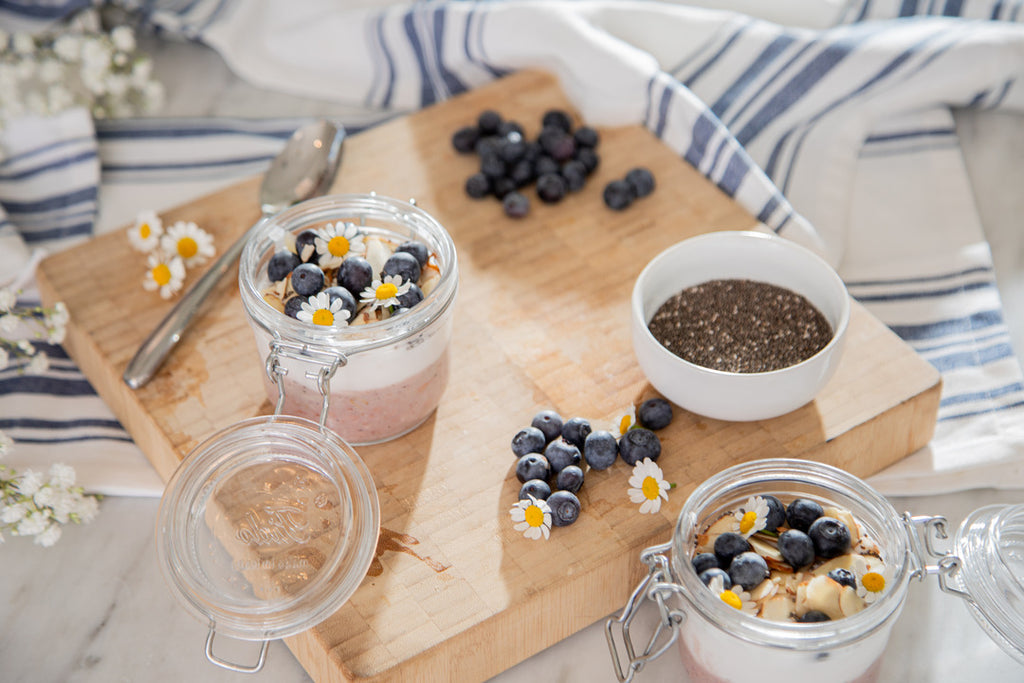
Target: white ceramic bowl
x=738, y=255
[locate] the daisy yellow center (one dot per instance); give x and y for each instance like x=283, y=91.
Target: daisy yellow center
x=386, y=291
x=323, y=316
x=624, y=424
x=650, y=488
x=873, y=581
x=187, y=247
x=731, y=599
x=534, y=516
x=747, y=523
x=338, y=246
x=144, y=231
x=161, y=274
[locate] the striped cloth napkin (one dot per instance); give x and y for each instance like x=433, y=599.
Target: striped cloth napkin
x=830, y=121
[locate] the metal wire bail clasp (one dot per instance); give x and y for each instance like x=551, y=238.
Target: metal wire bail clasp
x=657, y=587
x=328, y=364
x=928, y=528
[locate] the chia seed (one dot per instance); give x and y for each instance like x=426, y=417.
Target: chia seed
x=740, y=326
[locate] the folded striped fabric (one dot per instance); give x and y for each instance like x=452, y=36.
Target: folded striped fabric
x=838, y=135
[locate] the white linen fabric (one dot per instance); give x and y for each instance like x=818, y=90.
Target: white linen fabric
x=831, y=124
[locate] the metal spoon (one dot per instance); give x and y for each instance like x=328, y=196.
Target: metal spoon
x=305, y=168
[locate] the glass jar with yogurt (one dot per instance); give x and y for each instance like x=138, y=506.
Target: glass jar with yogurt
x=372, y=381
x=719, y=642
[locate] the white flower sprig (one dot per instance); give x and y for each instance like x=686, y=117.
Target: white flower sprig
x=170, y=252
x=33, y=504
x=40, y=323
x=76, y=65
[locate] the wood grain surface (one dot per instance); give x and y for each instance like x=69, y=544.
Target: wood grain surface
x=541, y=321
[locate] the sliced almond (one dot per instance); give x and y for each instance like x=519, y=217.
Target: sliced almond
x=849, y=602
x=850, y=561
x=706, y=540
x=765, y=549
x=822, y=594
x=376, y=253
x=763, y=590
x=846, y=517
x=778, y=608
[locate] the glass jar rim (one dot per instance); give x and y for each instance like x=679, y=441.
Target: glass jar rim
x=346, y=207
x=188, y=561
x=808, y=636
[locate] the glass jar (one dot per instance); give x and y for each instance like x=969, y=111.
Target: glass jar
x=719, y=643
x=266, y=528
x=392, y=372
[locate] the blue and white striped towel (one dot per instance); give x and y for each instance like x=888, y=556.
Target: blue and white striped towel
x=845, y=127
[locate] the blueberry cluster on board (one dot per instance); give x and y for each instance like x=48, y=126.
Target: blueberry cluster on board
x=553, y=454
x=557, y=162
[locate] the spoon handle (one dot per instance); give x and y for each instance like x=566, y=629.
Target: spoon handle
x=162, y=340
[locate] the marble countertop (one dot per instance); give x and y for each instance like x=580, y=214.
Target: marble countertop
x=95, y=606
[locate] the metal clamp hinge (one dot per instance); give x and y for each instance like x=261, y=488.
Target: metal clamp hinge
x=328, y=362
x=656, y=587
x=923, y=530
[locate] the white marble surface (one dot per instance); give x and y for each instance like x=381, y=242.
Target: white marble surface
x=95, y=607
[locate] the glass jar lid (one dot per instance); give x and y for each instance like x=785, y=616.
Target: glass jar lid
x=268, y=527
x=990, y=545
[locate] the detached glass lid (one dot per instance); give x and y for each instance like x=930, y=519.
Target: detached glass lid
x=268, y=527
x=990, y=545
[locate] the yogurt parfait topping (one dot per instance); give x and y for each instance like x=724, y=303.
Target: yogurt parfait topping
x=803, y=561
x=336, y=275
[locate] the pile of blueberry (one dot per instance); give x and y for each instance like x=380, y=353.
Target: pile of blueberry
x=348, y=281
x=551, y=454
x=558, y=162
x=804, y=534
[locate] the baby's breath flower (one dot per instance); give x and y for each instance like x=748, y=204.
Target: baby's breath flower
x=7, y=299
x=29, y=482
x=5, y=358
x=49, y=536
x=6, y=444
x=39, y=364
x=62, y=475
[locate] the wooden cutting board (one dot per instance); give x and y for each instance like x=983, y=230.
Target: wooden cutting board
x=541, y=321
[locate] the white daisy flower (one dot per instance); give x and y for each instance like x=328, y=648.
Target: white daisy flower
x=320, y=309
x=336, y=242
x=188, y=241
x=626, y=421
x=166, y=273
x=648, y=486
x=146, y=232
x=735, y=597
x=384, y=293
x=532, y=516
x=872, y=579
x=751, y=517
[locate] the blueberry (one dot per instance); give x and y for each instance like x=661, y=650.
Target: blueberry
x=796, y=548
x=575, y=431
x=355, y=274
x=551, y=188
x=570, y=479
x=511, y=151
x=521, y=173
x=813, y=616
x=600, y=449
x=748, y=570
x=565, y=507
x=708, y=575
x=532, y=466
x=503, y=186
x=417, y=249
x=557, y=118
x=844, y=577
x=538, y=488
x=492, y=166
x=307, y=279
x=293, y=305
x=305, y=246
x=404, y=265
x=487, y=144
x=586, y=137
x=510, y=128
x=478, y=186
x=703, y=561
x=465, y=138
x=728, y=545
x=618, y=195
x=589, y=158
x=410, y=298
x=528, y=440
x=489, y=121
x=831, y=537
x=802, y=512
x=549, y=422
x=515, y=204
x=575, y=175
x=641, y=180
x=655, y=413
x=639, y=443
x=557, y=144
x=776, y=513
x=280, y=264
x=560, y=454
x=348, y=302
x=544, y=165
